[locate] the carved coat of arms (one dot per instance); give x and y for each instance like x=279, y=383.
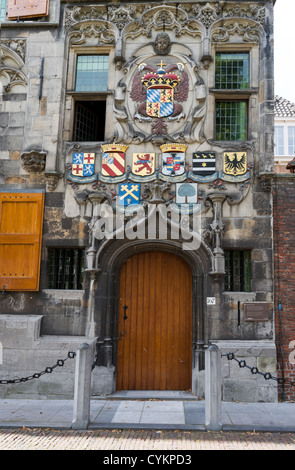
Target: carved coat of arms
x=143, y=164
x=129, y=194
x=235, y=163
x=173, y=159
x=113, y=160
x=160, y=92
x=204, y=163
x=83, y=164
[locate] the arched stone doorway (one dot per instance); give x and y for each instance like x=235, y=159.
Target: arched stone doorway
x=155, y=323
x=106, y=308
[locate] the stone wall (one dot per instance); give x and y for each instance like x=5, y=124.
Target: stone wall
x=25, y=352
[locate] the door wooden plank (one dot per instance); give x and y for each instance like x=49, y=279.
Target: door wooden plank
x=155, y=352
x=152, y=319
x=120, y=342
x=126, y=326
x=155, y=330
x=164, y=308
x=147, y=320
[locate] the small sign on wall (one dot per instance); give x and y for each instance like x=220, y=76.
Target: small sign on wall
x=211, y=301
x=256, y=311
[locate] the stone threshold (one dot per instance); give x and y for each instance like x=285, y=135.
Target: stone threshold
x=150, y=395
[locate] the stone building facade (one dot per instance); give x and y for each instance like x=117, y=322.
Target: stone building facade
x=136, y=156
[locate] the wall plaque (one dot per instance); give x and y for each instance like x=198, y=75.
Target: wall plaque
x=256, y=311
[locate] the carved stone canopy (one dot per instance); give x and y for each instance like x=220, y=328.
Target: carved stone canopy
x=12, y=54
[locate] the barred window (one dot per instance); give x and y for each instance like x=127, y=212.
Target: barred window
x=89, y=120
x=90, y=102
x=65, y=268
x=231, y=120
x=232, y=71
x=238, y=271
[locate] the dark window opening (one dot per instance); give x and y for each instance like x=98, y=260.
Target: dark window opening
x=89, y=123
x=238, y=271
x=65, y=268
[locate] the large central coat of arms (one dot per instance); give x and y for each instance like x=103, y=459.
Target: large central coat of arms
x=160, y=92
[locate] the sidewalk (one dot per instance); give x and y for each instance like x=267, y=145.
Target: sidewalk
x=119, y=412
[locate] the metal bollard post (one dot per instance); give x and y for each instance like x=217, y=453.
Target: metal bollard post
x=213, y=419
x=82, y=390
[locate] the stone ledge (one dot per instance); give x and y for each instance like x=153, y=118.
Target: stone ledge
x=25, y=352
x=248, y=348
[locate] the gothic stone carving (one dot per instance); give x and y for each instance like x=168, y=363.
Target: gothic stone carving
x=34, y=162
x=12, y=53
x=141, y=118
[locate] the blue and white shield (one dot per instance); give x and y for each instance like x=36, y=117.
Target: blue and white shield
x=83, y=164
x=159, y=102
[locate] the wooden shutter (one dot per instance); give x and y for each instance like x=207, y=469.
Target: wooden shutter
x=27, y=8
x=21, y=217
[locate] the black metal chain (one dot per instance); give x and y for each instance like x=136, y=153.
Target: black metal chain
x=254, y=370
x=47, y=370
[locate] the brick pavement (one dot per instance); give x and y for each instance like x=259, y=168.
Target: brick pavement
x=141, y=440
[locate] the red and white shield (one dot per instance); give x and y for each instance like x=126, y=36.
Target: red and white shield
x=113, y=164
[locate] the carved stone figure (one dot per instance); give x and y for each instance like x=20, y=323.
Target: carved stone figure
x=162, y=45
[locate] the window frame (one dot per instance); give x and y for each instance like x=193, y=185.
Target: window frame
x=73, y=96
x=243, y=281
x=286, y=124
x=215, y=70
x=76, y=73
x=243, y=94
x=3, y=11
x=232, y=100
x=52, y=282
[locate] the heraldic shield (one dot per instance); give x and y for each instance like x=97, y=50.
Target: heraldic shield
x=143, y=164
x=83, y=164
x=113, y=160
x=159, y=101
x=204, y=163
x=173, y=163
x=235, y=163
x=129, y=194
x=160, y=92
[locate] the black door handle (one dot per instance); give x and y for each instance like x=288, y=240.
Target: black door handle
x=125, y=308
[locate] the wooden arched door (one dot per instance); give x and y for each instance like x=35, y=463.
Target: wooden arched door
x=155, y=323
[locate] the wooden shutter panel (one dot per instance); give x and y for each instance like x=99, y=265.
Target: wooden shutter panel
x=21, y=220
x=27, y=8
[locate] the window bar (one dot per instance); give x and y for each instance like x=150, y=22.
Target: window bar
x=80, y=269
x=242, y=267
x=54, y=258
x=62, y=267
x=71, y=280
x=231, y=284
